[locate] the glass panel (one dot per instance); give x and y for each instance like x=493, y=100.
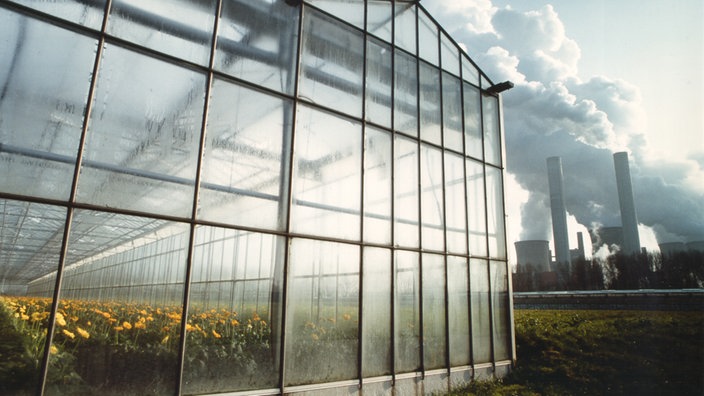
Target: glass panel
x=430, y=110
x=86, y=13
x=432, y=199
x=30, y=242
x=499, y=297
x=450, y=55
x=332, y=64
x=455, y=206
x=378, y=87
x=379, y=18
x=233, y=315
x=495, y=213
x=492, y=140
x=41, y=108
x=476, y=213
x=434, y=339
x=470, y=73
x=428, y=39
x=377, y=186
x=183, y=28
x=119, y=317
x=481, y=311
x=327, y=175
x=406, y=192
x=144, y=133
x=452, y=112
x=405, y=25
x=406, y=94
x=257, y=41
x=376, y=312
x=322, y=312
x=407, y=312
x=458, y=310
x=350, y=11
x=242, y=179
x=472, y=122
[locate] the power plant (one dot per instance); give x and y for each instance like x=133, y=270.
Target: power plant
x=558, y=211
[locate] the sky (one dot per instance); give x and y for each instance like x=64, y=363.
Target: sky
x=593, y=78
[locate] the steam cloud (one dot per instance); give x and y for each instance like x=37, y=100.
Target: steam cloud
x=552, y=112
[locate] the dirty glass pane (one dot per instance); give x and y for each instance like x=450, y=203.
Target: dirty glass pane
x=455, y=204
x=452, y=112
x=430, y=110
x=431, y=198
x=322, y=312
x=481, y=311
x=232, y=340
x=428, y=39
x=242, y=178
x=434, y=339
x=450, y=55
x=472, y=122
x=29, y=252
x=495, y=213
x=85, y=13
x=257, y=42
x=405, y=25
x=327, y=175
x=118, y=322
x=350, y=11
x=476, y=213
x=144, y=133
x=499, y=297
x=407, y=312
x=405, y=94
x=376, y=312
x=470, y=73
x=378, y=86
x=377, y=186
x=492, y=140
x=379, y=18
x=45, y=72
x=185, y=28
x=406, y=194
x=458, y=310
x=332, y=64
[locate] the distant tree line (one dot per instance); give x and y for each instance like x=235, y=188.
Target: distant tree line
x=680, y=270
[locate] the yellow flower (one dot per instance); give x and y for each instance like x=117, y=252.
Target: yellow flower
x=69, y=334
x=165, y=339
x=54, y=350
x=216, y=335
x=82, y=332
x=119, y=328
x=346, y=316
x=314, y=337
x=60, y=319
x=234, y=322
x=126, y=325
x=24, y=317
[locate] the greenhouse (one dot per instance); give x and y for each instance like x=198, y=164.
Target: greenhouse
x=247, y=197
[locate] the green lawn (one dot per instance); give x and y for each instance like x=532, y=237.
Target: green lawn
x=604, y=353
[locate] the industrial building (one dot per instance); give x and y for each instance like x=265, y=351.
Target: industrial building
x=247, y=197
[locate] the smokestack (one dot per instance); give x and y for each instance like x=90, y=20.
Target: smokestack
x=557, y=208
x=629, y=221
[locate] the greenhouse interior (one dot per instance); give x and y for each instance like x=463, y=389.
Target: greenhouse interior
x=247, y=197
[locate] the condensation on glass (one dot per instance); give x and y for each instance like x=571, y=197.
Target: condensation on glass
x=247, y=196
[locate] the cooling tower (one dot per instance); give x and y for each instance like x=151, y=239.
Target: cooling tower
x=629, y=221
x=695, y=246
x=557, y=208
x=536, y=253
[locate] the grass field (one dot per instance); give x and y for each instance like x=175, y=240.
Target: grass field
x=604, y=353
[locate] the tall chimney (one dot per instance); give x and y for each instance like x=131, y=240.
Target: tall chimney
x=559, y=214
x=629, y=221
